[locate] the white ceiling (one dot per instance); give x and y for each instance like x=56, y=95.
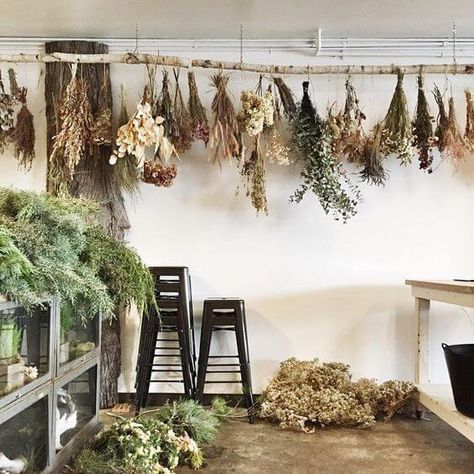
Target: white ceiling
x=222, y=18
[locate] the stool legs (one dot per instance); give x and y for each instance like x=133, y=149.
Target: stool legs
x=206, y=334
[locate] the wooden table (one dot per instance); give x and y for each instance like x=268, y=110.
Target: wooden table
x=438, y=398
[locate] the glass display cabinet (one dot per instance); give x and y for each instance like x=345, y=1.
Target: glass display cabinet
x=49, y=386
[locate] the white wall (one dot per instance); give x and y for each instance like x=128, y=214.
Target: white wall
x=313, y=287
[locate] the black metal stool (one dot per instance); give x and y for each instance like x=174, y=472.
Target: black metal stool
x=160, y=353
x=225, y=314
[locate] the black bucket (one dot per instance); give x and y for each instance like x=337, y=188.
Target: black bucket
x=460, y=361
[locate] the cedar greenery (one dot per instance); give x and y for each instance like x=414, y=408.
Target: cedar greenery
x=322, y=173
x=62, y=251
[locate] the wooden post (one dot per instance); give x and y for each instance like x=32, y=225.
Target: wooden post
x=422, y=368
x=94, y=179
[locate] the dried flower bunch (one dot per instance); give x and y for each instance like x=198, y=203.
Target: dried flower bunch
x=423, y=137
x=442, y=122
x=199, y=123
x=286, y=98
x=373, y=171
x=469, y=129
x=255, y=113
x=306, y=395
x=6, y=115
x=101, y=132
x=322, y=173
x=73, y=141
x=159, y=174
x=165, y=109
x=397, y=131
x=454, y=145
x=225, y=140
x=184, y=140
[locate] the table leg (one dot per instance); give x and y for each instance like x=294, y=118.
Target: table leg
x=422, y=369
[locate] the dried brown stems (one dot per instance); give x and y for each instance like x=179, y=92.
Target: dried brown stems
x=199, y=123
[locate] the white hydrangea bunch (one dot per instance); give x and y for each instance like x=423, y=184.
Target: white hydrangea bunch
x=256, y=112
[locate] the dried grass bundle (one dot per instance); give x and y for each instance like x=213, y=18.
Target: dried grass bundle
x=373, y=171
x=23, y=135
x=199, y=122
x=224, y=138
x=15, y=90
x=159, y=174
x=334, y=126
x=73, y=141
x=6, y=116
x=469, y=130
x=164, y=108
x=184, y=140
x=286, y=98
x=455, y=147
x=101, y=132
x=397, y=131
x=423, y=137
x=442, y=122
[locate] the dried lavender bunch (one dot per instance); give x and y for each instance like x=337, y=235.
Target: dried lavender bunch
x=73, y=141
x=159, y=174
x=164, y=108
x=397, y=132
x=286, y=98
x=199, y=122
x=373, y=171
x=469, y=130
x=423, y=137
x=23, y=135
x=454, y=146
x=442, y=121
x=322, y=172
x=225, y=139
x=6, y=116
x=184, y=140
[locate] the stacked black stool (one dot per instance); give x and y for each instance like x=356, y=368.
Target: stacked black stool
x=167, y=344
x=225, y=314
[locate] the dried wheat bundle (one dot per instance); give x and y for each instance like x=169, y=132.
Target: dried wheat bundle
x=373, y=171
x=159, y=174
x=286, y=98
x=165, y=109
x=199, y=122
x=442, y=121
x=23, y=135
x=423, y=137
x=455, y=147
x=397, y=131
x=225, y=140
x=73, y=141
x=469, y=130
x=6, y=116
x=184, y=140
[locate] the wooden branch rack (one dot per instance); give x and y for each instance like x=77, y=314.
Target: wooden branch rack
x=175, y=61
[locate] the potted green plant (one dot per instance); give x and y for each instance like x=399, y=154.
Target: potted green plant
x=11, y=364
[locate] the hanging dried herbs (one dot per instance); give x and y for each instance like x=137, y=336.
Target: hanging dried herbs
x=6, y=116
x=199, y=123
x=101, y=132
x=286, y=98
x=454, y=146
x=322, y=172
x=397, y=131
x=469, y=130
x=23, y=135
x=442, y=122
x=225, y=140
x=73, y=141
x=334, y=127
x=184, y=140
x=165, y=109
x=159, y=174
x=373, y=171
x=255, y=113
x=423, y=138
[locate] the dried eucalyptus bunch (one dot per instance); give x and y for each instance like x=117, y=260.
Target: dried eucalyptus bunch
x=373, y=171
x=442, y=121
x=423, y=136
x=286, y=98
x=23, y=135
x=199, y=122
x=469, y=129
x=73, y=141
x=455, y=147
x=6, y=116
x=397, y=131
x=225, y=140
x=322, y=173
x=184, y=140
x=306, y=395
x=159, y=174
x=165, y=109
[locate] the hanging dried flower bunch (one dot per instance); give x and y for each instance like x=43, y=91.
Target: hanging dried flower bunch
x=255, y=113
x=199, y=123
x=469, y=130
x=397, y=131
x=334, y=127
x=159, y=174
x=184, y=140
x=101, y=132
x=322, y=172
x=6, y=116
x=373, y=171
x=225, y=139
x=165, y=109
x=286, y=98
x=23, y=135
x=423, y=137
x=73, y=141
x=454, y=145
x=442, y=122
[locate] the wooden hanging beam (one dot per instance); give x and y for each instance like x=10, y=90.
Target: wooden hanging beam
x=175, y=61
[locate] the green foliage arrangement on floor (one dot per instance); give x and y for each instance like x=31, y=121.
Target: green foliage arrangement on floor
x=54, y=246
x=309, y=394
x=154, y=442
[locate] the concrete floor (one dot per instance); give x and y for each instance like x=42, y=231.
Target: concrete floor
x=400, y=446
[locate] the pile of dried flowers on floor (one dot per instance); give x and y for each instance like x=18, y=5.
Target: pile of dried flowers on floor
x=156, y=441
x=306, y=395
